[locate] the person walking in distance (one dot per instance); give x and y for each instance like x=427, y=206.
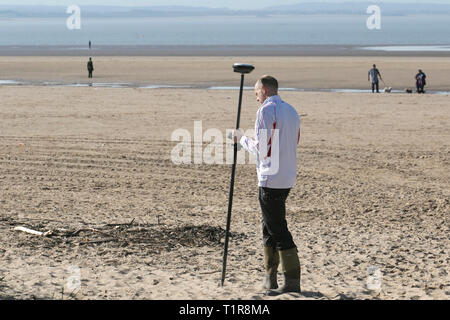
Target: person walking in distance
x=277, y=134
x=90, y=67
x=373, y=75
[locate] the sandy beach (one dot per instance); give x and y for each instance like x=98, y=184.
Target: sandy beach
x=93, y=166
x=203, y=72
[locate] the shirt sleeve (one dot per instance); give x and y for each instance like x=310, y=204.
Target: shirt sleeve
x=249, y=144
x=265, y=122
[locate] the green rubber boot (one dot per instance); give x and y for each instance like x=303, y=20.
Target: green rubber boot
x=271, y=262
x=291, y=271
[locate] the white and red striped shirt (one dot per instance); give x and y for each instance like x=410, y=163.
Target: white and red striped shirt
x=277, y=134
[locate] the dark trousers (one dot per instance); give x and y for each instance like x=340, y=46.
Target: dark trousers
x=274, y=224
x=420, y=87
x=375, y=85
x=90, y=74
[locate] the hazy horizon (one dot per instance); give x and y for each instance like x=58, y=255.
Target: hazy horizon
x=336, y=22
x=176, y=8
x=229, y=4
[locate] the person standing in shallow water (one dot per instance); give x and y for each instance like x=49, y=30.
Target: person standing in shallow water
x=421, y=81
x=373, y=75
x=90, y=67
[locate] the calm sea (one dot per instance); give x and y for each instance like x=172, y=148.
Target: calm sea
x=288, y=30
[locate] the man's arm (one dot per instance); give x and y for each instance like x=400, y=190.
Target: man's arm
x=263, y=131
x=249, y=144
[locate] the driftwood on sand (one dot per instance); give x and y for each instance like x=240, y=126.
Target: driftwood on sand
x=159, y=237
x=34, y=232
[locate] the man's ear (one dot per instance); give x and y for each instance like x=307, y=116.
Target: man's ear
x=264, y=90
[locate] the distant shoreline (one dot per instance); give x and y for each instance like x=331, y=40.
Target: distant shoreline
x=217, y=50
x=121, y=85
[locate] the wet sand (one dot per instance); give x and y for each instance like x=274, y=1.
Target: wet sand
x=221, y=50
x=204, y=72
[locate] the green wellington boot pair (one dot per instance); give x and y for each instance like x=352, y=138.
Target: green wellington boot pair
x=290, y=265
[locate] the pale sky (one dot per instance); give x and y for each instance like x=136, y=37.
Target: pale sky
x=232, y=4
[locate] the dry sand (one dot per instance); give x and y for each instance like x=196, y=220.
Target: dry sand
x=93, y=164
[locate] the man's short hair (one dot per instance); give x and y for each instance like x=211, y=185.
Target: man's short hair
x=269, y=82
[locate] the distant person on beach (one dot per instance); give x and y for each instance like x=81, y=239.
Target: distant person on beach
x=276, y=170
x=374, y=73
x=90, y=67
x=90, y=44
x=421, y=81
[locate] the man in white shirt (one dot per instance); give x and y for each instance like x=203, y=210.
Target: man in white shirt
x=277, y=134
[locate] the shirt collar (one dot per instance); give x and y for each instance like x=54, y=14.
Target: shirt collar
x=275, y=98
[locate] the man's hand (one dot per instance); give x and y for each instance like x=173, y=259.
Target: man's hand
x=237, y=135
